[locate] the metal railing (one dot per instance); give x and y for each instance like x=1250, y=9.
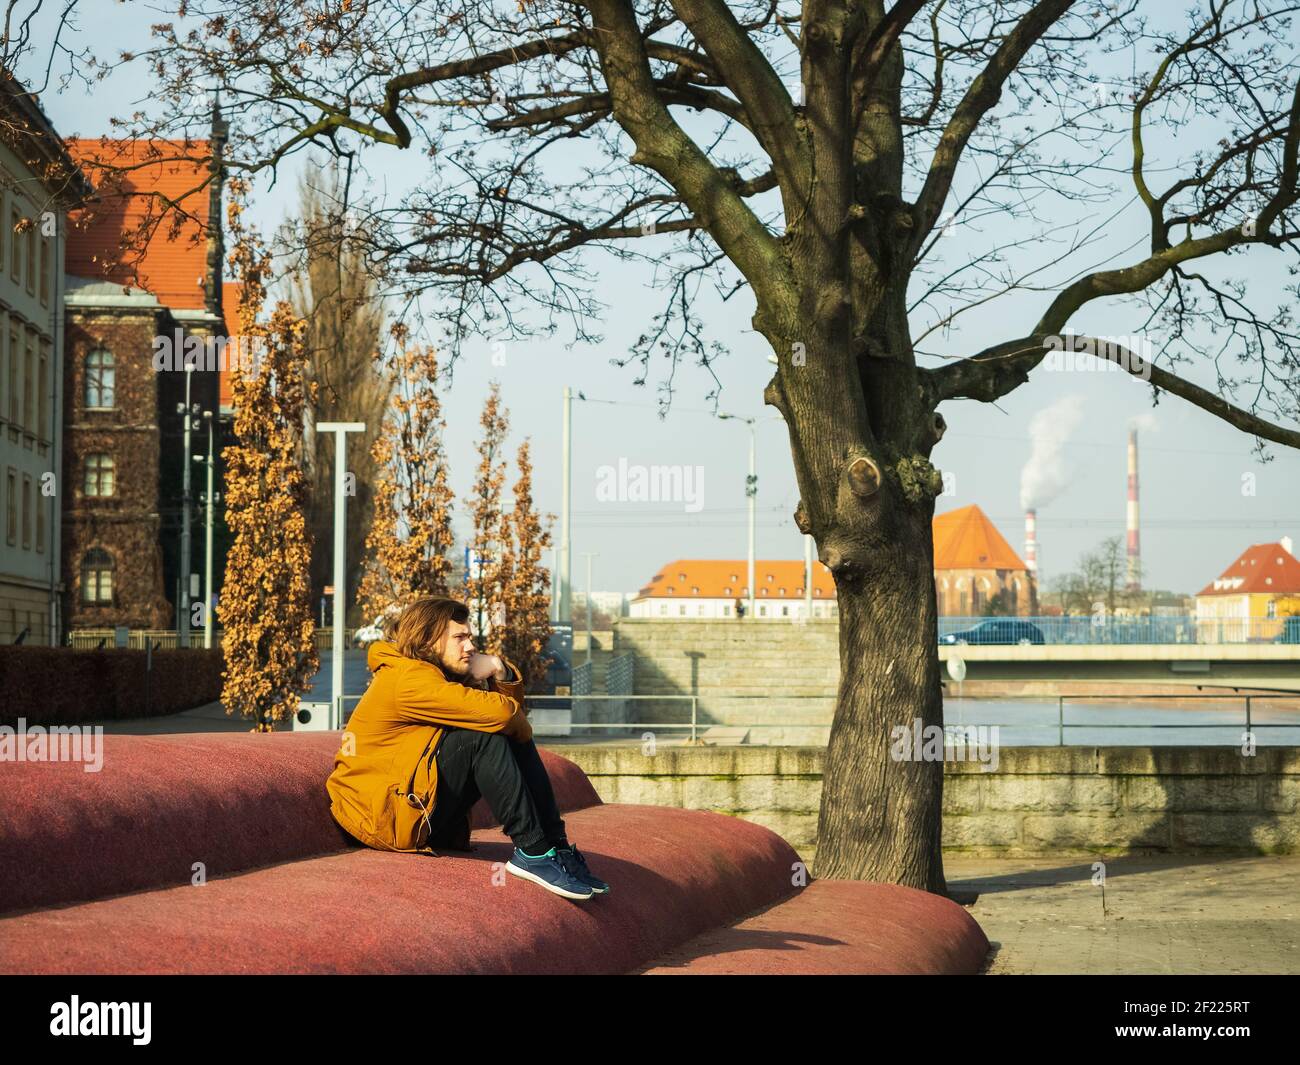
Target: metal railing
x=169, y=639
x=1087, y=629
x=955, y=730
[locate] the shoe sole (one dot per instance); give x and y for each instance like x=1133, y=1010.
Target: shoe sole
x=524, y=874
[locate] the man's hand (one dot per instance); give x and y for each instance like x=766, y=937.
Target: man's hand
x=483, y=666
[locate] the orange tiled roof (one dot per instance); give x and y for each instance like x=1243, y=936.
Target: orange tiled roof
x=1267, y=568
x=709, y=578
x=125, y=174
x=966, y=539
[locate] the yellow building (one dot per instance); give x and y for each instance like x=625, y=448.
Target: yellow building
x=1250, y=599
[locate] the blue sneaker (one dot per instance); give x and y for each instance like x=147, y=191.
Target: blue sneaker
x=550, y=872
x=576, y=864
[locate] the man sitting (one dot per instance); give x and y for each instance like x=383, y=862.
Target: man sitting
x=440, y=726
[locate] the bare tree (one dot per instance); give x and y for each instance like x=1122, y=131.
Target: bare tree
x=814, y=155
x=334, y=292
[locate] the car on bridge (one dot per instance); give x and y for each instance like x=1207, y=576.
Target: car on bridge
x=997, y=631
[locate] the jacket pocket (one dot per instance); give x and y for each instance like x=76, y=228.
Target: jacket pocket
x=397, y=820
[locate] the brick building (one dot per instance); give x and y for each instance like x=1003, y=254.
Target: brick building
x=136, y=292
x=976, y=570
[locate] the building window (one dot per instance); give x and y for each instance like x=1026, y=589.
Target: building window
x=40, y=523
x=99, y=378
x=726, y=591
x=835, y=611
x=29, y=385
x=99, y=475
x=15, y=357
x=97, y=577
x=726, y=610
x=663, y=610
x=770, y=578
x=45, y=271
x=785, y=611
x=27, y=512
x=16, y=265
x=11, y=507
x=762, y=611
x=42, y=393
x=682, y=610
x=31, y=259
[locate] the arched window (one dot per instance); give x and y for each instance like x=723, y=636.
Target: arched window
x=99, y=475
x=99, y=378
x=97, y=576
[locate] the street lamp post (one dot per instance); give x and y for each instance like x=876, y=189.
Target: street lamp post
x=340, y=431
x=589, y=555
x=751, y=492
x=183, y=599
x=209, y=498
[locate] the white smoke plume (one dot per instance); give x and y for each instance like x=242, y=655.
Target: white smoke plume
x=1144, y=423
x=1045, y=474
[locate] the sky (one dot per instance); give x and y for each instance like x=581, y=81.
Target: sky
x=1205, y=497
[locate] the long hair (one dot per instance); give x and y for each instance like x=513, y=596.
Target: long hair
x=424, y=623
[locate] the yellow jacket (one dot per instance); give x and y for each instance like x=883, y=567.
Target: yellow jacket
x=385, y=778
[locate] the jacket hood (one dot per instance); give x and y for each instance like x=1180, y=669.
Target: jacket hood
x=381, y=653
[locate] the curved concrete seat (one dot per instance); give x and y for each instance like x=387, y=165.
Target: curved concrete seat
x=96, y=874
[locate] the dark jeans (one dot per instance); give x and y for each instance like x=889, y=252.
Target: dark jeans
x=509, y=775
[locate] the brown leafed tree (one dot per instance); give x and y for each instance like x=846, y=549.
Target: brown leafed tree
x=490, y=559
x=410, y=537
x=269, y=635
x=526, y=581
x=335, y=292
x=810, y=158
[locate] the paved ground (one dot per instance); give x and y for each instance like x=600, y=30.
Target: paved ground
x=1181, y=915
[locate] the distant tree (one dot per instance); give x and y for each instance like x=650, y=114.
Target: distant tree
x=526, y=581
x=333, y=290
x=1000, y=605
x=1100, y=581
x=410, y=539
x=265, y=610
x=490, y=535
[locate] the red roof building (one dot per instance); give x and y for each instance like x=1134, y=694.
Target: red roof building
x=976, y=570
x=150, y=223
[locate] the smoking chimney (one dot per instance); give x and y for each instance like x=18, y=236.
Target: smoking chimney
x=1031, y=541
x=1134, y=549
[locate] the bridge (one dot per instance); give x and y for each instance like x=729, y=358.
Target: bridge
x=1269, y=665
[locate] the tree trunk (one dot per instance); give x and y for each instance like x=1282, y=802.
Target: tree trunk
x=880, y=817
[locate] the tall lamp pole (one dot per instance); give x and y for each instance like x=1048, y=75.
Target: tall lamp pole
x=751, y=491
x=183, y=619
x=210, y=462
x=340, y=431
x=589, y=555
x=565, y=613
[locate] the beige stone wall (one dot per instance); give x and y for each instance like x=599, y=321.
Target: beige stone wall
x=1041, y=801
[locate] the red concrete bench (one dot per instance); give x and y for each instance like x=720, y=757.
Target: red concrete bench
x=216, y=853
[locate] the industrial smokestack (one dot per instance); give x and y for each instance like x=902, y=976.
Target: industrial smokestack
x=1134, y=548
x=1031, y=541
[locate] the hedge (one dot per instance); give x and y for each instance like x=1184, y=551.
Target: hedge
x=66, y=686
